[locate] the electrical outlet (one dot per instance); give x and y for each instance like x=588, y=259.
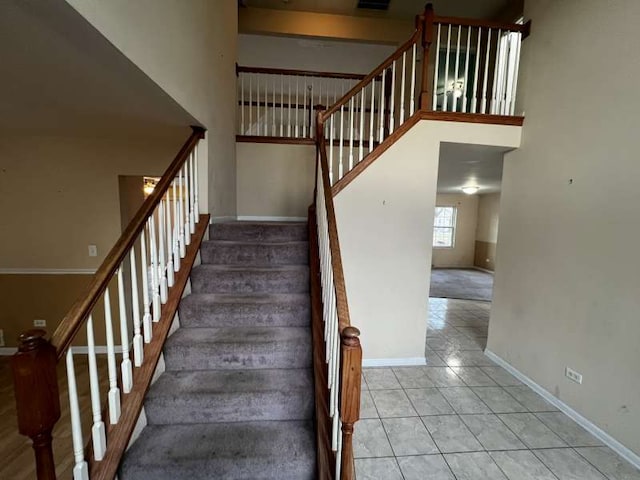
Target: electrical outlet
x=40, y=323
x=93, y=251
x=1, y=338
x=573, y=375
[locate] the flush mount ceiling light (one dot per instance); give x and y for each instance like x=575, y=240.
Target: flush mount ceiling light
x=470, y=190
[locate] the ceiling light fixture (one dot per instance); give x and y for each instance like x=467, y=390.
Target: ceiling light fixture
x=470, y=190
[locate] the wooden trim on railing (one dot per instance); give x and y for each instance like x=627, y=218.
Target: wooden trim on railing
x=374, y=74
x=302, y=73
x=486, y=118
x=74, y=320
x=470, y=22
x=118, y=435
x=342, y=306
x=281, y=140
x=325, y=458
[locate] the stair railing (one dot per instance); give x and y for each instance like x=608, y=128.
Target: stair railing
x=475, y=73
x=280, y=103
x=337, y=350
x=150, y=261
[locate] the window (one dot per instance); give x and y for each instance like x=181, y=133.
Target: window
x=444, y=227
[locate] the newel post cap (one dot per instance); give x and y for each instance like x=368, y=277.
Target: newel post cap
x=31, y=340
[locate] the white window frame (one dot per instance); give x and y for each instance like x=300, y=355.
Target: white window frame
x=453, y=227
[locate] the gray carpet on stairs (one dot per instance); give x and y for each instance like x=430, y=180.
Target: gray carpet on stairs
x=236, y=399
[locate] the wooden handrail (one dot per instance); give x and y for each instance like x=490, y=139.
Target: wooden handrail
x=75, y=318
x=470, y=22
x=301, y=73
x=342, y=306
x=374, y=74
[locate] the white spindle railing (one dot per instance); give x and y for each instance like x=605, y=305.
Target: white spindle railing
x=477, y=69
x=281, y=103
x=170, y=225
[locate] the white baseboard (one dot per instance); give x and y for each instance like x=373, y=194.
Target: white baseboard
x=6, y=351
x=228, y=218
x=485, y=270
x=394, y=362
x=47, y=271
x=585, y=423
x=249, y=218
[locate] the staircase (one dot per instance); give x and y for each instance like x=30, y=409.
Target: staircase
x=236, y=400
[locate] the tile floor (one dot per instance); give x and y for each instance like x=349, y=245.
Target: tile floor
x=461, y=417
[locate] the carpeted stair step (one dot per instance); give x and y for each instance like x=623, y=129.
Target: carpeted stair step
x=239, y=451
x=255, y=254
x=259, y=232
x=230, y=396
x=235, y=279
x=232, y=310
x=238, y=348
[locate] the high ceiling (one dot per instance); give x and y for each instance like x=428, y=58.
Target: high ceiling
x=398, y=9
x=60, y=75
x=470, y=165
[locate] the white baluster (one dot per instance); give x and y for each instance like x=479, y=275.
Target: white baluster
x=155, y=280
x=289, y=108
x=250, y=105
x=125, y=366
x=97, y=430
x=435, y=74
x=185, y=217
x=456, y=71
x=466, y=72
x=114, y=391
x=281, y=105
x=304, y=107
x=175, y=231
x=196, y=202
x=402, y=82
x=258, y=118
x=138, y=350
x=496, y=74
x=146, y=319
x=331, y=147
x=412, y=101
x=483, y=101
x=80, y=469
x=340, y=167
x=242, y=132
x=168, y=233
x=266, y=109
x=181, y=232
x=446, y=70
x=381, y=108
x=163, y=283
x=516, y=67
x=474, y=100
x=371, y=114
x=273, y=126
x=351, y=132
x=392, y=115
x=361, y=133
x=192, y=180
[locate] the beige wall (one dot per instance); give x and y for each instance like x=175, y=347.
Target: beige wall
x=461, y=255
x=323, y=25
x=275, y=180
x=487, y=231
x=60, y=194
x=567, y=285
x=385, y=226
x=310, y=54
x=189, y=50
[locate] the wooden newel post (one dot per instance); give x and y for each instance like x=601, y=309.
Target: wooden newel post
x=350, y=379
x=37, y=398
x=427, y=39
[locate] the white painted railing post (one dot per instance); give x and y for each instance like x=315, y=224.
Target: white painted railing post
x=147, y=318
x=127, y=371
x=97, y=430
x=80, y=469
x=114, y=391
x=138, y=347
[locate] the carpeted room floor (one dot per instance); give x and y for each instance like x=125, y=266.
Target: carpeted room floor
x=462, y=283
